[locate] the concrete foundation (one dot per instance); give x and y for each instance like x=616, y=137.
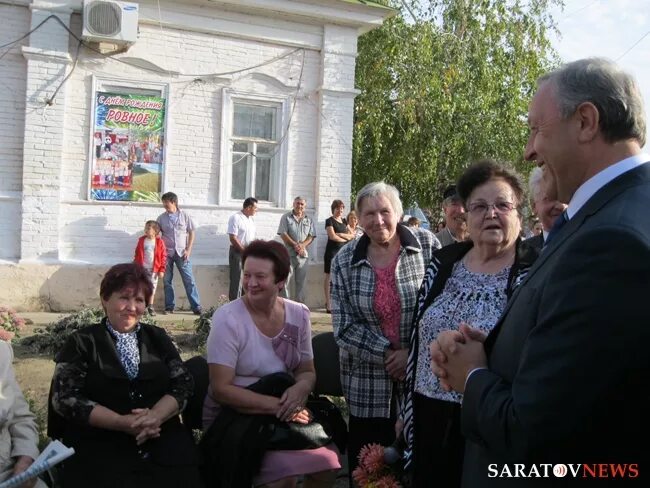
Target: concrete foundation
x=68, y=287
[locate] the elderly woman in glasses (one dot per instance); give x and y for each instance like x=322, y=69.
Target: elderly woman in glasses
x=466, y=282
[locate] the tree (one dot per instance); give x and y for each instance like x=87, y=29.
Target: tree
x=444, y=83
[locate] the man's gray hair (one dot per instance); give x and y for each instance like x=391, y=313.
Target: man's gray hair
x=614, y=92
x=299, y=198
x=377, y=188
x=535, y=182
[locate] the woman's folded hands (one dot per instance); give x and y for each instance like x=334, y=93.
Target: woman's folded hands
x=292, y=404
x=143, y=424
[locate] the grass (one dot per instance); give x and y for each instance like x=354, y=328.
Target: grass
x=146, y=182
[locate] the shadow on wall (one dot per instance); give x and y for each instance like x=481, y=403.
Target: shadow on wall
x=76, y=284
x=89, y=239
x=88, y=249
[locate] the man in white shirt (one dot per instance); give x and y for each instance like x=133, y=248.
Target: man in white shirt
x=241, y=232
x=563, y=376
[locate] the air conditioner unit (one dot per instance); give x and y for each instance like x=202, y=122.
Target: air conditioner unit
x=110, y=21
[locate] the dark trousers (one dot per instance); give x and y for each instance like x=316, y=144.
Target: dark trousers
x=364, y=431
x=234, y=264
x=438, y=445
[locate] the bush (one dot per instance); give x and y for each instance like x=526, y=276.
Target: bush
x=53, y=336
x=204, y=322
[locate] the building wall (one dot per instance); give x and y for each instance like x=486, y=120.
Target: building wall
x=15, y=22
x=52, y=233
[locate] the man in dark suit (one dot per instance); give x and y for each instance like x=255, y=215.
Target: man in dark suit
x=543, y=196
x=561, y=383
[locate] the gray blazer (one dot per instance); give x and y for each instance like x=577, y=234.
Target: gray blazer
x=568, y=361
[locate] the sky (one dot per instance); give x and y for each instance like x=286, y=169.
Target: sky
x=615, y=29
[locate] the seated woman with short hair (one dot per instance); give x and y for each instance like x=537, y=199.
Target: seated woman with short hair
x=253, y=337
x=117, y=392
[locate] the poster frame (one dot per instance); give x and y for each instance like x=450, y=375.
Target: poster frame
x=125, y=86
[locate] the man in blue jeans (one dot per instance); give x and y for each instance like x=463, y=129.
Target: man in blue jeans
x=177, y=231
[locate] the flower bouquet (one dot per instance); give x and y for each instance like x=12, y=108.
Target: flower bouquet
x=10, y=324
x=373, y=471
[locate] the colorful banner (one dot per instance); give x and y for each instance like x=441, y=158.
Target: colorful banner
x=129, y=149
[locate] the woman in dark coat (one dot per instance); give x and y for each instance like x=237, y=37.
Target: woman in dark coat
x=117, y=392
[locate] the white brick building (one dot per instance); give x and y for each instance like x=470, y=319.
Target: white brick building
x=287, y=65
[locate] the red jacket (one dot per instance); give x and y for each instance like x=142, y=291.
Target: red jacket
x=159, y=254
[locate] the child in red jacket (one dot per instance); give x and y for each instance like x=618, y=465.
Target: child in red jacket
x=151, y=253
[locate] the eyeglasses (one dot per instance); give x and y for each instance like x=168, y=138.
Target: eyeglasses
x=481, y=208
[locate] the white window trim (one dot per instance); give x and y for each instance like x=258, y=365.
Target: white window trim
x=105, y=83
x=230, y=96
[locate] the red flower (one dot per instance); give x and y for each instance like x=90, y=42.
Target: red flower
x=360, y=476
x=371, y=457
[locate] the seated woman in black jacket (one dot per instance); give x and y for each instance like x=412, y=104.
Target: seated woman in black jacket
x=117, y=391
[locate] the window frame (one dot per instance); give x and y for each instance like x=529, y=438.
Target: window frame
x=277, y=179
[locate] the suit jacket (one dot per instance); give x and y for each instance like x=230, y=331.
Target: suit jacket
x=568, y=361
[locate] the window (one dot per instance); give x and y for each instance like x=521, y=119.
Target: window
x=254, y=148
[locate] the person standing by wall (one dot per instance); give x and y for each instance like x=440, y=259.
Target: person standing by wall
x=338, y=234
x=455, y=229
x=177, y=230
x=241, y=232
x=151, y=253
x=297, y=232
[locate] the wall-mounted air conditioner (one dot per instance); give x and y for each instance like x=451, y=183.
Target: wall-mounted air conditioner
x=110, y=21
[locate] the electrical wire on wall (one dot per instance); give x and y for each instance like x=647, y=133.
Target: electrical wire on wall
x=50, y=101
x=285, y=133
x=11, y=44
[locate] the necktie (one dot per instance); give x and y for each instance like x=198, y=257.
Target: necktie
x=562, y=219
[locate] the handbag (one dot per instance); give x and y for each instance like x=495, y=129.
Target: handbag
x=290, y=436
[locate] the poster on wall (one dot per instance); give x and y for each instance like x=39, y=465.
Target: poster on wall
x=129, y=155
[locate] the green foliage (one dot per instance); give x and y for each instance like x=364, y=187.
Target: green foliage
x=53, y=336
x=204, y=322
x=443, y=84
x=40, y=413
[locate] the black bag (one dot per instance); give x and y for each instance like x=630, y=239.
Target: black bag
x=329, y=416
x=292, y=436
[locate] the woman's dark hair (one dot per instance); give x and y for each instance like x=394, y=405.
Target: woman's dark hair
x=273, y=251
x=485, y=170
x=126, y=275
x=336, y=204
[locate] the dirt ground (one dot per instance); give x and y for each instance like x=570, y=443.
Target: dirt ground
x=34, y=371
